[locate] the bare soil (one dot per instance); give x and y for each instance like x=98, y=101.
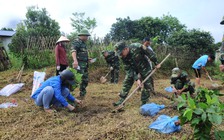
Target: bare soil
x=93, y=121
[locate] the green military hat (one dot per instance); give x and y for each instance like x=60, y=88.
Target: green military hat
x=175, y=72
x=84, y=32
x=119, y=47
x=222, y=22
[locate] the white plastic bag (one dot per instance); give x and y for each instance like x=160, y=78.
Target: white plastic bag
x=38, y=78
x=8, y=104
x=11, y=89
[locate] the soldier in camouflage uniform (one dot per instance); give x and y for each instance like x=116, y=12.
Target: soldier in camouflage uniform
x=146, y=42
x=221, y=67
x=80, y=58
x=181, y=82
x=135, y=62
x=113, y=61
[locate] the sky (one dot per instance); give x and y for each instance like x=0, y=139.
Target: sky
x=205, y=15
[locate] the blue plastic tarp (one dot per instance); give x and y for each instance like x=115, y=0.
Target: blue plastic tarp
x=151, y=109
x=165, y=124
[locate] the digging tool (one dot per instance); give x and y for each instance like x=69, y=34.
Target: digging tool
x=122, y=104
x=103, y=78
x=19, y=76
x=214, y=85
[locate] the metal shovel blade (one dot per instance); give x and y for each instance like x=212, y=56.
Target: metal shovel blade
x=103, y=80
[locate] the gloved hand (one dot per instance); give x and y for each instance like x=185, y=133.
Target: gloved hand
x=70, y=107
x=111, y=68
x=58, y=67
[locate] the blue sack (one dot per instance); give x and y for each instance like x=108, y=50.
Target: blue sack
x=151, y=109
x=165, y=124
x=169, y=89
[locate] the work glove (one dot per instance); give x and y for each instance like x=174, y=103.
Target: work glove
x=111, y=68
x=58, y=67
x=70, y=107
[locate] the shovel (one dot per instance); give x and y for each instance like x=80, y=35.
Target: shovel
x=214, y=85
x=103, y=78
x=122, y=104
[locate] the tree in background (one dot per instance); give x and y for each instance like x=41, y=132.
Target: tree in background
x=33, y=35
x=79, y=22
x=123, y=29
x=39, y=23
x=195, y=41
x=126, y=29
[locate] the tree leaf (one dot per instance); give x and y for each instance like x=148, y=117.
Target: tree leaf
x=202, y=105
x=198, y=111
x=217, y=118
x=209, y=100
x=195, y=121
x=203, y=117
x=191, y=103
x=188, y=114
x=181, y=105
x=210, y=110
x=215, y=100
x=219, y=135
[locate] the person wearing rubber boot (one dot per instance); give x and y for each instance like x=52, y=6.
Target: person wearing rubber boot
x=81, y=59
x=181, y=82
x=113, y=61
x=54, y=92
x=135, y=63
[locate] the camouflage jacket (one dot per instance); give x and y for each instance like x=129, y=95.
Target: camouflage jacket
x=112, y=59
x=183, y=79
x=136, y=62
x=81, y=50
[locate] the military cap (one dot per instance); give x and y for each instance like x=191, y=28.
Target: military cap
x=84, y=32
x=119, y=47
x=175, y=72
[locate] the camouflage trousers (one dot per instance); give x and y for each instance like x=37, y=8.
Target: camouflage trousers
x=114, y=75
x=145, y=92
x=190, y=86
x=84, y=82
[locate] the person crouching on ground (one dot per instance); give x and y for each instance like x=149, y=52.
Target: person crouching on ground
x=181, y=83
x=55, y=90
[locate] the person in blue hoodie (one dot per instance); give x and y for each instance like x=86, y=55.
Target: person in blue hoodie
x=55, y=90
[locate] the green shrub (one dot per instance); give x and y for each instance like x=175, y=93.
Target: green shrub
x=203, y=112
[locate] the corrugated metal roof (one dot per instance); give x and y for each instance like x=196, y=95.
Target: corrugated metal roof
x=7, y=33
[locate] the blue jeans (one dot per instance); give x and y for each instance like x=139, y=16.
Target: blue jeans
x=46, y=97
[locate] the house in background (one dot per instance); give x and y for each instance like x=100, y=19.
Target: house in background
x=6, y=38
